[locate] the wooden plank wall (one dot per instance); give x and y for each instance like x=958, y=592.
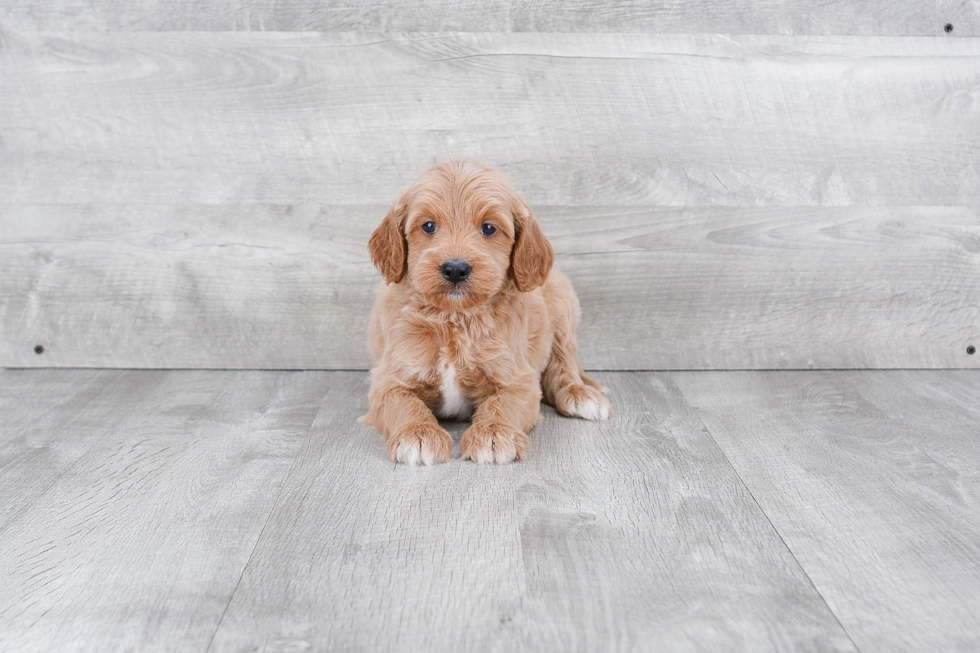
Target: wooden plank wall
x=191, y=185
x=869, y=17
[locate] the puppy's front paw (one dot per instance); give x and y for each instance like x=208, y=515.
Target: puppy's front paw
x=420, y=444
x=578, y=400
x=493, y=443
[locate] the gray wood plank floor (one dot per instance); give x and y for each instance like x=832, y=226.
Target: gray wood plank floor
x=131, y=501
x=871, y=480
x=609, y=537
x=230, y=511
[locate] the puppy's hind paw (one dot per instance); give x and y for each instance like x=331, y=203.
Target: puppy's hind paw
x=578, y=400
x=423, y=444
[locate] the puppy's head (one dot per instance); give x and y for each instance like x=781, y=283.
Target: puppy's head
x=459, y=235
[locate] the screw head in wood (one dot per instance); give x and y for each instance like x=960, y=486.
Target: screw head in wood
x=948, y=27
x=971, y=350
x=39, y=349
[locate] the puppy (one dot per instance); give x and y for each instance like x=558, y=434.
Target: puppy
x=471, y=320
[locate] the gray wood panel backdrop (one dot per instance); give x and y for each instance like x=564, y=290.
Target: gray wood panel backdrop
x=729, y=184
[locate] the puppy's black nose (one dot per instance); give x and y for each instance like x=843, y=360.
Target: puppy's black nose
x=455, y=270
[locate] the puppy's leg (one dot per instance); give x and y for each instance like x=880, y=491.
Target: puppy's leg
x=591, y=382
x=412, y=433
x=501, y=422
x=564, y=383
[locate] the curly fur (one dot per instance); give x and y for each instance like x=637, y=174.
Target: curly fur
x=493, y=346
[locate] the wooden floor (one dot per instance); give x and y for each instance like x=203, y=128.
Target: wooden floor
x=717, y=511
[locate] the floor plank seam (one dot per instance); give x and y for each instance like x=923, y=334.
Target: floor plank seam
x=769, y=521
x=268, y=519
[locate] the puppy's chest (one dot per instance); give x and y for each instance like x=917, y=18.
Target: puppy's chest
x=455, y=376
x=452, y=402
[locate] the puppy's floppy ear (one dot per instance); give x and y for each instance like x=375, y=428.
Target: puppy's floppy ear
x=387, y=245
x=532, y=257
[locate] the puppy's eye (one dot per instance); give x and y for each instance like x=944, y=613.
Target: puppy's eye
x=488, y=229
x=429, y=227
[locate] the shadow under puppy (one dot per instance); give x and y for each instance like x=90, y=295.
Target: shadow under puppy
x=470, y=321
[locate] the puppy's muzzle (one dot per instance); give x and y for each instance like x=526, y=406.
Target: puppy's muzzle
x=455, y=271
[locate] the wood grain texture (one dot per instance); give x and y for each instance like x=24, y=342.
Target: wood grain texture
x=193, y=510
x=132, y=500
x=629, y=535
x=290, y=286
x=38, y=408
x=876, y=17
x=572, y=119
x=870, y=479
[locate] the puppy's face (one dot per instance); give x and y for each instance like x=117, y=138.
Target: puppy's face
x=459, y=235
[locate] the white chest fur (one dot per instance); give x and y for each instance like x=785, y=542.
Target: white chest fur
x=453, y=404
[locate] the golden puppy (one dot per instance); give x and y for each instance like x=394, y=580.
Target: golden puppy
x=471, y=320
